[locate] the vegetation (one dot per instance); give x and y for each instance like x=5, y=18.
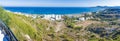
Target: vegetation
x=21, y=26
x=99, y=28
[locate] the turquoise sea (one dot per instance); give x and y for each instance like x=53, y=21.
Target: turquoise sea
x=53, y=10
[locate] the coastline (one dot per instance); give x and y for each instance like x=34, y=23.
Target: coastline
x=53, y=17
x=27, y=14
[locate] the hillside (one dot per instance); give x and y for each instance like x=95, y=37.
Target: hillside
x=28, y=28
x=99, y=28
x=24, y=28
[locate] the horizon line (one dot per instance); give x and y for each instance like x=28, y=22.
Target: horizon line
x=59, y=6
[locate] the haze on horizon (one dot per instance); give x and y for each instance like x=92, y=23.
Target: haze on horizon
x=60, y=3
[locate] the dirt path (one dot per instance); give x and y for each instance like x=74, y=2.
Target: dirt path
x=59, y=26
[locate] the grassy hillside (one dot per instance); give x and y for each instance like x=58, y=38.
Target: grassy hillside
x=23, y=27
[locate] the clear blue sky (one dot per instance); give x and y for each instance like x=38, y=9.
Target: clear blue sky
x=60, y=3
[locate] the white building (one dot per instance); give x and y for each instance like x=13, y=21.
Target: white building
x=82, y=18
x=58, y=17
x=52, y=17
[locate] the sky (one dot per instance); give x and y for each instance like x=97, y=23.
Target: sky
x=60, y=3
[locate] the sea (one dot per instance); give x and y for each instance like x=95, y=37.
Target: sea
x=53, y=10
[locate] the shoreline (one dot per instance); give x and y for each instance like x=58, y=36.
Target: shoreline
x=51, y=16
x=47, y=14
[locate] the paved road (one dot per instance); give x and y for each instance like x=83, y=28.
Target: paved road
x=8, y=35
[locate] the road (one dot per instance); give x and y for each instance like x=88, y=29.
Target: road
x=5, y=33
